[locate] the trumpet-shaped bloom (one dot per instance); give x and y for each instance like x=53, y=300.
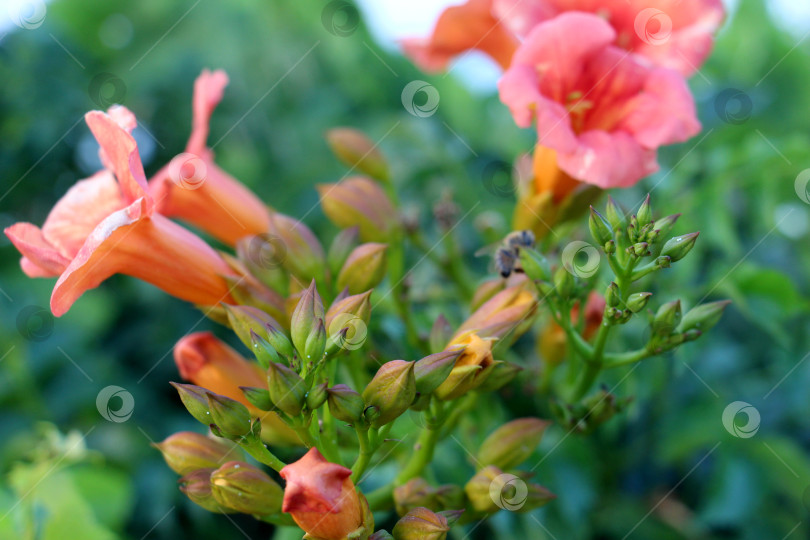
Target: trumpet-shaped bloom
x=194, y=189
x=595, y=105
x=321, y=497
x=677, y=34
x=471, y=25
x=100, y=228
x=208, y=362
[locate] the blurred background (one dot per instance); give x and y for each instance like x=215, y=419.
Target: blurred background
x=298, y=68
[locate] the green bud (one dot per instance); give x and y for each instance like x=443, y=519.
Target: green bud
x=502, y=374
x=304, y=257
x=644, y=214
x=479, y=486
x=287, y=390
x=262, y=350
x=345, y=404
x=431, y=371
x=563, y=283
x=460, y=381
x=343, y=244
x=231, y=417
x=359, y=201
x=195, y=400
x=614, y=214
x=637, y=301
x=453, y=515
x=347, y=322
x=315, y=345
x=305, y=317
x=601, y=231
x=371, y=414
x=612, y=295
x=381, y=535
x=412, y=494
x=263, y=256
x=316, y=396
x=639, y=249
x=356, y=150
x=258, y=397
x=703, y=317
x=512, y=443
x=246, y=319
x=421, y=524
x=280, y=342
x=610, y=247
x=664, y=226
x=197, y=487
x=246, y=489
x=667, y=318
x=534, y=264
x=536, y=497
x=676, y=248
x=187, y=451
x=392, y=390
x=364, y=269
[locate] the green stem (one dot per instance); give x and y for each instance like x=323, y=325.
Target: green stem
x=262, y=454
x=623, y=359
x=425, y=446
x=366, y=452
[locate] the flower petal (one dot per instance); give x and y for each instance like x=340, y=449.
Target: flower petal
x=608, y=159
x=40, y=258
x=208, y=90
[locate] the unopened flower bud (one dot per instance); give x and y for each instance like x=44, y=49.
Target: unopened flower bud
x=664, y=226
x=246, y=489
x=231, y=417
x=305, y=318
x=512, y=443
x=644, y=214
x=508, y=312
x=431, y=371
x=614, y=214
x=187, y=451
x=534, y=264
x=381, y=535
x=258, y=397
x=471, y=369
x=343, y=244
x=362, y=203
x=345, y=404
x=246, y=319
x=563, y=283
x=703, y=317
x=263, y=256
x=502, y=374
x=612, y=295
x=667, y=318
x=264, y=352
x=600, y=228
x=610, y=247
x=637, y=301
x=392, y=390
x=536, y=497
x=421, y=524
x=287, y=390
x=357, y=305
x=412, y=494
x=663, y=262
x=197, y=487
x=304, y=257
x=484, y=292
x=316, y=396
x=371, y=414
x=316, y=343
x=639, y=249
x=357, y=151
x=195, y=400
x=322, y=499
x=364, y=269
x=676, y=248
x=280, y=342
x=478, y=489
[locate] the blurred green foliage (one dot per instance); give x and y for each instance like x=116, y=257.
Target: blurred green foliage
x=668, y=464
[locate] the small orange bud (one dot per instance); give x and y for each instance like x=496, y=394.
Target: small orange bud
x=507, y=311
x=471, y=369
x=321, y=497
